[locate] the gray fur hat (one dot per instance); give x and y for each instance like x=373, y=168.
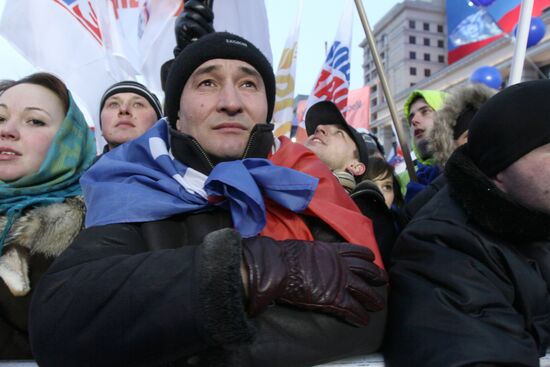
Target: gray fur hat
x=461, y=104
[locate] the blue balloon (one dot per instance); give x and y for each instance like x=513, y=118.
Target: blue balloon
x=482, y=2
x=537, y=29
x=488, y=75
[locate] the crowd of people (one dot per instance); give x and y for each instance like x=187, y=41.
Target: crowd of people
x=198, y=238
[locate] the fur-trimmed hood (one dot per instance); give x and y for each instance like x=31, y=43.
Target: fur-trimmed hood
x=441, y=136
x=46, y=230
x=490, y=207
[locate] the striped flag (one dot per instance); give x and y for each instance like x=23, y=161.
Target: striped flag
x=333, y=81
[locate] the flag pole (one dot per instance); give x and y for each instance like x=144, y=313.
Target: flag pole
x=391, y=105
x=521, y=42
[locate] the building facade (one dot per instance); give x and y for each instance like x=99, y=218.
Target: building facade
x=411, y=41
x=407, y=68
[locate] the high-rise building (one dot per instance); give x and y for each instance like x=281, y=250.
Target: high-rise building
x=411, y=41
x=426, y=21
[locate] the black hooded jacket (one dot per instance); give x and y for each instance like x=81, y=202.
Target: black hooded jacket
x=470, y=278
x=169, y=293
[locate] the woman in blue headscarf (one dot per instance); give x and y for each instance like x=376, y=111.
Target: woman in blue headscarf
x=45, y=146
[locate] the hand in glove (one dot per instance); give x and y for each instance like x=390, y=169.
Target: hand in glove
x=194, y=21
x=335, y=278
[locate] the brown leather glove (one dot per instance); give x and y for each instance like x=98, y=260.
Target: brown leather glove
x=335, y=278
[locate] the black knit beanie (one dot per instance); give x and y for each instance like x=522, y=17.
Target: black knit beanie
x=217, y=45
x=129, y=86
x=509, y=125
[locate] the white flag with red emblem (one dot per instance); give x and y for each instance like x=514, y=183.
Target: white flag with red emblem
x=65, y=37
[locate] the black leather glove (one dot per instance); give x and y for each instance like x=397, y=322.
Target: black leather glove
x=335, y=278
x=194, y=21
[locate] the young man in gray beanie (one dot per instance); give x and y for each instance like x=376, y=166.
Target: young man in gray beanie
x=127, y=110
x=209, y=242
x=470, y=274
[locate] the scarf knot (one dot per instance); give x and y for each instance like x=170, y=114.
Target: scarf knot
x=115, y=187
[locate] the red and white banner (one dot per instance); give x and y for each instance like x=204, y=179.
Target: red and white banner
x=91, y=44
x=358, y=110
x=65, y=37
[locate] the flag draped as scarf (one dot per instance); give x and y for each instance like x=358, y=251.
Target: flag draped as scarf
x=141, y=181
x=330, y=203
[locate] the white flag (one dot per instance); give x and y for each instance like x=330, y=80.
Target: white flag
x=146, y=33
x=246, y=18
x=64, y=37
x=286, y=76
x=91, y=44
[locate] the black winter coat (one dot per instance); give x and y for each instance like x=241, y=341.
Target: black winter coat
x=169, y=293
x=470, y=279
x=34, y=239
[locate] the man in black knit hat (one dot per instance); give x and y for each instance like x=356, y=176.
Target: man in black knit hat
x=470, y=274
x=210, y=242
x=127, y=109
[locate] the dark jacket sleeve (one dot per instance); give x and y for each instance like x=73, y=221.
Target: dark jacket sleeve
x=453, y=302
x=409, y=209
x=107, y=301
x=286, y=336
x=371, y=202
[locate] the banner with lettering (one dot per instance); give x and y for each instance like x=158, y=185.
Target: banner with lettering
x=333, y=81
x=66, y=38
x=357, y=114
x=286, y=76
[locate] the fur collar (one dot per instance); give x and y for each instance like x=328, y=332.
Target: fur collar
x=490, y=207
x=441, y=136
x=46, y=230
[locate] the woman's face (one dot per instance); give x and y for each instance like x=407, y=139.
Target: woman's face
x=385, y=184
x=30, y=116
